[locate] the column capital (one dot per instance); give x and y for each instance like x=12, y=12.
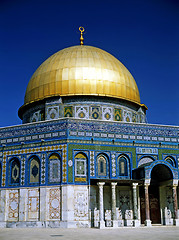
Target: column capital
x=134, y=185
x=113, y=184
x=147, y=182
x=100, y=184
x=175, y=183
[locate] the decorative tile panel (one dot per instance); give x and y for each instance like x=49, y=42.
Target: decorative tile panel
x=4, y=170
x=95, y=112
x=43, y=170
x=52, y=112
x=54, y=204
x=13, y=212
x=82, y=112
x=113, y=162
x=64, y=163
x=68, y=111
x=127, y=116
x=117, y=114
x=54, y=169
x=107, y=113
x=92, y=166
x=22, y=170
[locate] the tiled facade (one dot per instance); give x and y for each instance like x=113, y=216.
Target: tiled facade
x=50, y=170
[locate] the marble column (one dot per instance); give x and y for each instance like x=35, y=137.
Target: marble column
x=114, y=217
x=175, y=205
x=135, y=205
x=101, y=205
x=147, y=211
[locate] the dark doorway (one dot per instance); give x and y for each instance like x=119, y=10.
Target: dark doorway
x=160, y=173
x=154, y=204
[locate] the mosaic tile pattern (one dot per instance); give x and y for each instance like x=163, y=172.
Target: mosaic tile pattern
x=102, y=165
x=4, y=169
x=127, y=116
x=117, y=114
x=92, y=166
x=143, y=132
x=52, y=112
x=82, y=112
x=35, y=117
x=13, y=212
x=95, y=112
x=68, y=111
x=43, y=170
x=14, y=171
x=23, y=169
x=54, y=169
x=113, y=162
x=54, y=204
x=64, y=163
x=107, y=113
x=34, y=171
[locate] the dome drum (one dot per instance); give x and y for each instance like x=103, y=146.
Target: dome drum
x=85, y=107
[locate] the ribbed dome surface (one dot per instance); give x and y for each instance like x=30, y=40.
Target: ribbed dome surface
x=82, y=70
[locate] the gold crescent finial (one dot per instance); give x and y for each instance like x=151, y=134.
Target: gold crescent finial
x=81, y=29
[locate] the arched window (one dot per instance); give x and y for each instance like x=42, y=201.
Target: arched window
x=54, y=168
x=14, y=169
x=102, y=165
x=34, y=172
x=170, y=160
x=123, y=166
x=80, y=166
x=145, y=161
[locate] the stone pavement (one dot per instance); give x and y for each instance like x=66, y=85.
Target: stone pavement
x=143, y=233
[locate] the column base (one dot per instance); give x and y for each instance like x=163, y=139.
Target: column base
x=101, y=224
x=136, y=223
x=128, y=222
x=115, y=223
x=148, y=223
x=176, y=222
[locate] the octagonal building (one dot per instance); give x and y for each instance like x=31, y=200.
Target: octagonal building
x=84, y=155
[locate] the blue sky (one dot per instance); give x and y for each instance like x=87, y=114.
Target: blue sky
x=142, y=34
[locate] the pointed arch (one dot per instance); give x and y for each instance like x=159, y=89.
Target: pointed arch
x=102, y=165
x=170, y=160
x=123, y=166
x=14, y=171
x=80, y=166
x=34, y=170
x=54, y=168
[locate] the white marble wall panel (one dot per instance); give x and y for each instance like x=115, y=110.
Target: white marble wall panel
x=81, y=203
x=33, y=204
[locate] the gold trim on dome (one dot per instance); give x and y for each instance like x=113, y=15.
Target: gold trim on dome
x=81, y=70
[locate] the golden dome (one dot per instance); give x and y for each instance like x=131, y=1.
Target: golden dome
x=81, y=70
